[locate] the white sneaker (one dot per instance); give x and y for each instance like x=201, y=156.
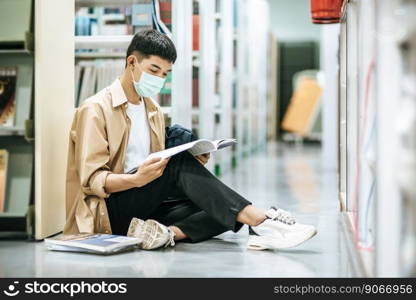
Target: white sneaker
x=279, y=231
x=151, y=233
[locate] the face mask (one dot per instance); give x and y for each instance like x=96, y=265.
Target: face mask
x=148, y=85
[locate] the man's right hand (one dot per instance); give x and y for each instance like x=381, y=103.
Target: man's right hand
x=150, y=170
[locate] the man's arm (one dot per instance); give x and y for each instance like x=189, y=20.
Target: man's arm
x=148, y=171
x=91, y=149
x=203, y=158
x=92, y=156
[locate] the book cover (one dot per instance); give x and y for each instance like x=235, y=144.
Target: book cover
x=8, y=78
x=159, y=24
x=195, y=32
x=91, y=242
x=195, y=84
x=4, y=158
x=166, y=11
x=142, y=14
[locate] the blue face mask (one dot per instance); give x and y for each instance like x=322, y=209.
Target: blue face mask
x=148, y=85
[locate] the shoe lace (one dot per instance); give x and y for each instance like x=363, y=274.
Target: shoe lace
x=171, y=240
x=281, y=215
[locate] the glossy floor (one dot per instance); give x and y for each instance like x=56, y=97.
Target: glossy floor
x=290, y=177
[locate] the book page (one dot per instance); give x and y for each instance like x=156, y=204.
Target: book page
x=197, y=147
x=219, y=144
x=172, y=151
x=69, y=248
x=203, y=146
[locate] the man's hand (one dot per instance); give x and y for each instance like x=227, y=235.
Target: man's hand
x=150, y=170
x=203, y=158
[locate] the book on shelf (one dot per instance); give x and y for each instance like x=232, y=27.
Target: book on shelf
x=97, y=243
x=158, y=23
x=88, y=78
x=303, y=108
x=195, y=86
x=195, y=32
x=4, y=159
x=83, y=25
x=114, y=29
x=197, y=147
x=164, y=99
x=103, y=21
x=8, y=78
x=167, y=87
x=93, y=76
x=142, y=14
x=195, y=92
x=166, y=12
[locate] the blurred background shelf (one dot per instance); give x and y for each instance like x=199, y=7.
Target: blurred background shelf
x=14, y=51
x=4, y=131
x=102, y=42
x=106, y=3
x=94, y=55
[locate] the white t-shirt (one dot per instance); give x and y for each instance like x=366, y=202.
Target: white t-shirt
x=138, y=147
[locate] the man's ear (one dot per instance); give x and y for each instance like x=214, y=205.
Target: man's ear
x=131, y=60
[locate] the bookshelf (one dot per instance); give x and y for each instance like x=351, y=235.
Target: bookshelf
x=376, y=135
x=103, y=3
x=226, y=80
x=35, y=185
x=182, y=69
x=34, y=178
x=16, y=52
x=251, y=104
x=232, y=86
x=207, y=72
x=102, y=47
x=102, y=42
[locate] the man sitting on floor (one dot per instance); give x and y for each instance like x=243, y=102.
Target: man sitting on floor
x=115, y=130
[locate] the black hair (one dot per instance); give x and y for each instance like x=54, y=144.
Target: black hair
x=152, y=42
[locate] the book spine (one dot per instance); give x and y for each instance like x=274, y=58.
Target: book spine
x=8, y=78
x=4, y=157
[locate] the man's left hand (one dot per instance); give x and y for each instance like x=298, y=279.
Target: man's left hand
x=203, y=158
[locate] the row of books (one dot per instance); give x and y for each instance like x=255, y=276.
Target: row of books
x=125, y=20
x=8, y=79
x=92, y=76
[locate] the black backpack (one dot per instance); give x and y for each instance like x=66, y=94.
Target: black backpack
x=177, y=135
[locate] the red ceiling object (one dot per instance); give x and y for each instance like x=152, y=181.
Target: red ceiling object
x=327, y=11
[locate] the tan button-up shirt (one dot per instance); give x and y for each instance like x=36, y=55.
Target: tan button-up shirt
x=97, y=146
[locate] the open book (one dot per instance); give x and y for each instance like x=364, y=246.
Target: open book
x=197, y=147
x=91, y=243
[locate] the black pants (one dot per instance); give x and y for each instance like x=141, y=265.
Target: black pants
x=210, y=207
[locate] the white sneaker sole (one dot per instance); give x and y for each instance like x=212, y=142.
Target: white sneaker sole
x=256, y=242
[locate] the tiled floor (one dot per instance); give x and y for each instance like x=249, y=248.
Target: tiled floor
x=287, y=176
